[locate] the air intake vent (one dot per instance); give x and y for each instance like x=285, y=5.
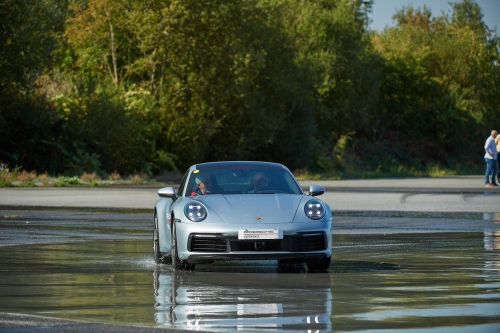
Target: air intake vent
x=308, y=243
x=207, y=244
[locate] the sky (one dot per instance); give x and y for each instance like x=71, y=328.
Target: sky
x=383, y=10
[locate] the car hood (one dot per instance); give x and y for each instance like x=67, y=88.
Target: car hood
x=253, y=208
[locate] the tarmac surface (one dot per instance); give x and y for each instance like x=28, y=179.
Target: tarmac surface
x=446, y=194
x=461, y=194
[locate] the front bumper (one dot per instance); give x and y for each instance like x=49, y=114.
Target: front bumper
x=296, y=246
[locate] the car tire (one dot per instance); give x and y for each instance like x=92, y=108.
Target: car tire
x=319, y=265
x=158, y=258
x=177, y=264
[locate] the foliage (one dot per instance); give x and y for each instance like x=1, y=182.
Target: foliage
x=26, y=42
x=22, y=178
x=435, y=98
x=66, y=181
x=33, y=135
x=5, y=176
x=143, y=87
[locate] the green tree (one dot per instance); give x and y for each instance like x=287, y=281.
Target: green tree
x=33, y=135
x=26, y=39
x=436, y=91
x=154, y=85
x=215, y=80
x=334, y=45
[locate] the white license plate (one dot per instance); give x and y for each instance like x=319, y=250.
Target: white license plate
x=260, y=234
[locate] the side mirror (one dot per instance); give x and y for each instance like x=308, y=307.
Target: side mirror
x=316, y=190
x=167, y=192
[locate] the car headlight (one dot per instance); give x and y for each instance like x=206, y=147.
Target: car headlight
x=195, y=211
x=314, y=209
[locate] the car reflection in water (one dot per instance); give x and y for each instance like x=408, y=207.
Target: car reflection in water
x=248, y=301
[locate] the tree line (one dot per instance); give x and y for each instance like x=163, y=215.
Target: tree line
x=153, y=85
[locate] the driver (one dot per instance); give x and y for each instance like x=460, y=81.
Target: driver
x=203, y=185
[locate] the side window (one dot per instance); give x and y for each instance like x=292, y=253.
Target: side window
x=183, y=184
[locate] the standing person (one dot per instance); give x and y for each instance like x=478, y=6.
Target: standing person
x=491, y=160
x=497, y=142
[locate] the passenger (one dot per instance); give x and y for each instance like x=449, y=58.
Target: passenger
x=259, y=182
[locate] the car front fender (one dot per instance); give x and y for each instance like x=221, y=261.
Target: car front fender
x=163, y=208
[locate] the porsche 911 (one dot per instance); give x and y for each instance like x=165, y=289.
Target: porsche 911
x=241, y=211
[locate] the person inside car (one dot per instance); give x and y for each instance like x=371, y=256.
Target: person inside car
x=259, y=182
x=205, y=185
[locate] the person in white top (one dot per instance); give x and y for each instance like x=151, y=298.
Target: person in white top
x=491, y=160
x=497, y=142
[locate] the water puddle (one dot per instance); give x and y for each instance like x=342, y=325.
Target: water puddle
x=99, y=268
x=387, y=222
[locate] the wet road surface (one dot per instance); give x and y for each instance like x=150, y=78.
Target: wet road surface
x=446, y=194
x=418, y=271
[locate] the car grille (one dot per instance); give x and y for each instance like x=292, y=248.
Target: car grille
x=207, y=244
x=217, y=243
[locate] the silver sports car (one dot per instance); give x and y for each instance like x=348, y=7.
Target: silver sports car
x=241, y=211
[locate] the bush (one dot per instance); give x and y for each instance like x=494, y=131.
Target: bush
x=89, y=177
x=5, y=176
x=66, y=181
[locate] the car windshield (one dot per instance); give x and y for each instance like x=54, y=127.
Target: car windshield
x=248, y=179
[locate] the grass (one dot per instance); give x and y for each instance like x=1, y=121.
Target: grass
x=393, y=172
x=23, y=178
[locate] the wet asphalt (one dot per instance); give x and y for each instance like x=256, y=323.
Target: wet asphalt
x=364, y=211
x=11, y=322
x=460, y=193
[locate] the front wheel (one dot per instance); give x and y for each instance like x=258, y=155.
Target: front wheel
x=178, y=264
x=319, y=265
x=156, y=242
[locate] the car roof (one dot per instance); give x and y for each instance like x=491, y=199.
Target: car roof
x=239, y=163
